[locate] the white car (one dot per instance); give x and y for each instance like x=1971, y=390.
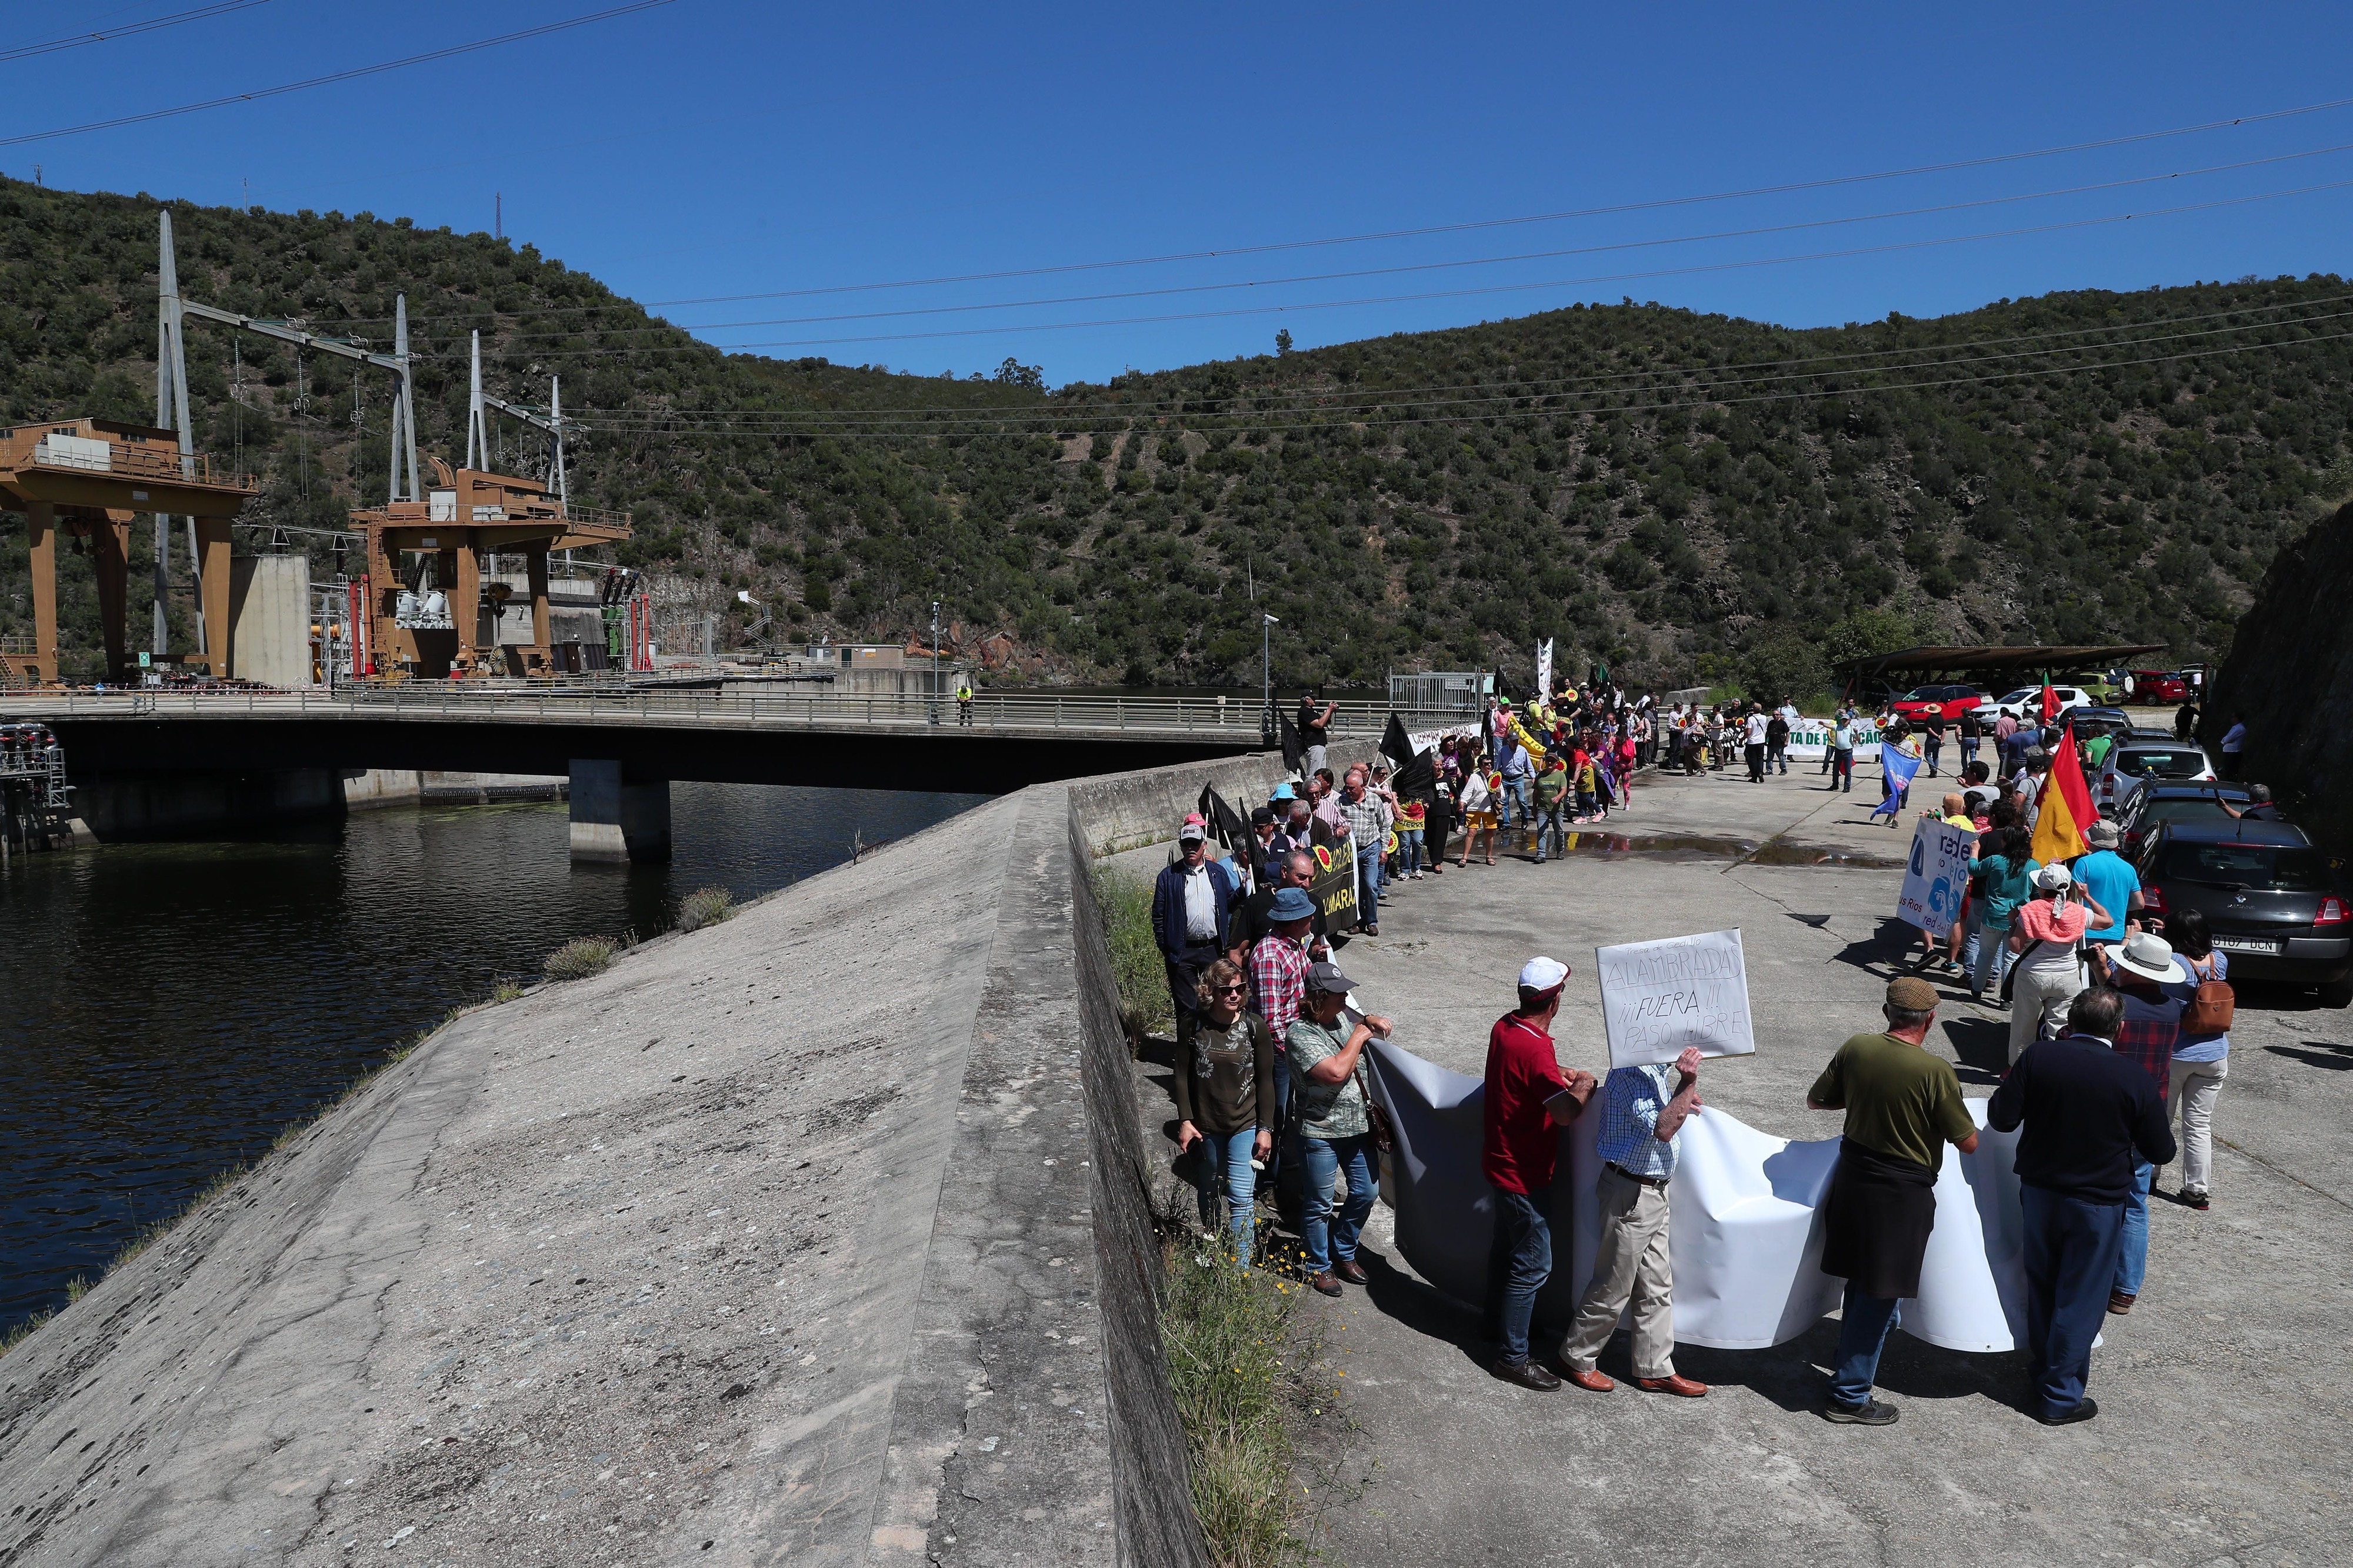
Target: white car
x=2028, y=700
x=2132, y=763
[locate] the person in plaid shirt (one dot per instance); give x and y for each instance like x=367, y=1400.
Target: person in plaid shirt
x=1278, y=972
x=2140, y=968
x=1367, y=816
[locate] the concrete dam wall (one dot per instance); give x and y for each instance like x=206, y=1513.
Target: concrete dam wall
x=820, y=1235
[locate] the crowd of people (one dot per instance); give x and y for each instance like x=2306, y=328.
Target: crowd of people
x=2115, y=1033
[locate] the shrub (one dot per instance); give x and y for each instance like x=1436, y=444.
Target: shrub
x=580, y=957
x=706, y=907
x=1137, y=965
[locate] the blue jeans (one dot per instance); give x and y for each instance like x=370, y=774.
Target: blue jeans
x=1331, y=1233
x=1992, y=960
x=1519, y=1261
x=1515, y=794
x=2071, y=1245
x=1968, y=751
x=1548, y=827
x=2132, y=1261
x=1225, y=1173
x=1862, y=1335
x=1843, y=771
x=1409, y=851
x=1369, y=883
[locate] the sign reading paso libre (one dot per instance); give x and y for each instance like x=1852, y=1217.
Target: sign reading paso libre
x=1333, y=888
x=1659, y=997
x=1936, y=876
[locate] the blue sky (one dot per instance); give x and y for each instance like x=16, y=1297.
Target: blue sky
x=714, y=148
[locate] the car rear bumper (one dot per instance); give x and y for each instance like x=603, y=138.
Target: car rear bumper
x=2306, y=961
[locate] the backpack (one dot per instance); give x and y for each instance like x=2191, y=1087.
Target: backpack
x=2210, y=1008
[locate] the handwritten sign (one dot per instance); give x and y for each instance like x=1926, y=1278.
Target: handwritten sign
x=1658, y=997
x=1334, y=886
x=1936, y=876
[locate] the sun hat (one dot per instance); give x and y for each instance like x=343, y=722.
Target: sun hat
x=2101, y=836
x=1290, y=904
x=1910, y=994
x=2148, y=955
x=1281, y=792
x=2050, y=879
x=1542, y=974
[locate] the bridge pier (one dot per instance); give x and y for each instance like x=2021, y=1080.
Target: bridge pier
x=614, y=818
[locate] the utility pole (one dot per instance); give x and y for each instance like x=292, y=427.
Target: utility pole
x=498, y=223
x=478, y=429
x=935, y=661
x=403, y=413
x=172, y=414
x=1269, y=729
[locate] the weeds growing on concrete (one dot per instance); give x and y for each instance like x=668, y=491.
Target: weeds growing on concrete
x=505, y=991
x=705, y=907
x=1135, y=961
x=580, y=957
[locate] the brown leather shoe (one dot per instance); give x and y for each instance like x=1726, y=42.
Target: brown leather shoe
x=1591, y=1381
x=1527, y=1374
x=1351, y=1270
x=1326, y=1283
x=2119, y=1303
x=1679, y=1386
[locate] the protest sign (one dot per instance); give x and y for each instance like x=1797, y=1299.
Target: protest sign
x=1809, y=738
x=1658, y=997
x=1936, y=876
x=1334, y=887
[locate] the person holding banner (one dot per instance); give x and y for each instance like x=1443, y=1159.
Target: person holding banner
x=1903, y=1105
x=1641, y=1116
x=1333, y=1127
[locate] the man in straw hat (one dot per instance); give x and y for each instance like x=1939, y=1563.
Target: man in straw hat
x=1903, y=1105
x=2092, y=1116
x=2142, y=969
x=1529, y=1099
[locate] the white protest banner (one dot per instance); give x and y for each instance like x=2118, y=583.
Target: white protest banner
x=1936, y=876
x=1544, y=670
x=1809, y=738
x=1658, y=997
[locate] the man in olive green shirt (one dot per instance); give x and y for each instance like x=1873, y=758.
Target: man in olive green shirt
x=1903, y=1105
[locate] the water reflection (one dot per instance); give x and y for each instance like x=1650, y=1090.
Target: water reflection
x=165, y=1009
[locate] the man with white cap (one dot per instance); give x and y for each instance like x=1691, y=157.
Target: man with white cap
x=2091, y=1117
x=1191, y=905
x=1642, y=1109
x=1529, y=1099
x=2141, y=968
x=2045, y=933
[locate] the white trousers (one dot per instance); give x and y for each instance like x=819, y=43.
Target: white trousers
x=2032, y=996
x=2196, y=1087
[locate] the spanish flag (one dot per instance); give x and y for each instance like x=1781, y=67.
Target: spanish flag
x=2066, y=808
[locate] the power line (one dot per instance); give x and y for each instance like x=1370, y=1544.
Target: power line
x=341, y=76
x=1446, y=266
x=127, y=30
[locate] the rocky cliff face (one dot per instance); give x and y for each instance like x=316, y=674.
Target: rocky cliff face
x=2290, y=675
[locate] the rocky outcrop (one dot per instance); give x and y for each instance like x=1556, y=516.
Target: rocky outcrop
x=2290, y=676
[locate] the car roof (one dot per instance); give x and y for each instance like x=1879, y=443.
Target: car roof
x=2154, y=745
x=2196, y=791
x=2285, y=834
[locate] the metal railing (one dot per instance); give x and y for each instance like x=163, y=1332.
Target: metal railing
x=730, y=707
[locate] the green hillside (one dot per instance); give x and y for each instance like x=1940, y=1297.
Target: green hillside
x=1692, y=496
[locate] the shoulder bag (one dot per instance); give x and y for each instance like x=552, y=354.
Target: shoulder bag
x=2210, y=1011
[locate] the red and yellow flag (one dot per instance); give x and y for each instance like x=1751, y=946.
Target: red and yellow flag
x=2066, y=808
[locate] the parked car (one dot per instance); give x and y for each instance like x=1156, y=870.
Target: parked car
x=2027, y=700
x=2153, y=804
x=2156, y=687
x=2281, y=907
x=2131, y=764
x=1946, y=702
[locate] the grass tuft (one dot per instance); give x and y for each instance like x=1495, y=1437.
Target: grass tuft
x=706, y=907
x=504, y=991
x=580, y=957
x=1135, y=963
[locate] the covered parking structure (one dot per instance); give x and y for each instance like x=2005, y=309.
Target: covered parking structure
x=1995, y=667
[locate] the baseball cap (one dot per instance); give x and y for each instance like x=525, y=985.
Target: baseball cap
x=1326, y=977
x=2053, y=876
x=1542, y=974
x=1193, y=830
x=1261, y=816
x=1911, y=994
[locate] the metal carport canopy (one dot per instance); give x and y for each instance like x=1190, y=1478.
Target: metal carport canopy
x=1990, y=658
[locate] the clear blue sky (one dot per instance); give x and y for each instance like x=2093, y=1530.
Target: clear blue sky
x=726, y=147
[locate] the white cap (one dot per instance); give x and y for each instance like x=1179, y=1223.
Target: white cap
x=1542, y=974
x=2053, y=876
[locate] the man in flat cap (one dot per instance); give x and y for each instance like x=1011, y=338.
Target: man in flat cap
x=1903, y=1105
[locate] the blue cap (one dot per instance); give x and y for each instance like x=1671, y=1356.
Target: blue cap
x=1282, y=792
x=1290, y=904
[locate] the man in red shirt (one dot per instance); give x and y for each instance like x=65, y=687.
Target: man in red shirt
x=1529, y=1099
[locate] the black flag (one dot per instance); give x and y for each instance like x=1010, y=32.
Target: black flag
x=1294, y=753
x=1227, y=825
x=1416, y=774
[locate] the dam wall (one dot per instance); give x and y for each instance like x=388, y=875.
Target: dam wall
x=820, y=1235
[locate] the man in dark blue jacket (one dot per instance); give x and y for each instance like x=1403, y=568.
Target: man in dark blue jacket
x=2088, y=1112
x=1191, y=904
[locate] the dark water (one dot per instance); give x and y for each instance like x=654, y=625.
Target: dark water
x=165, y=1009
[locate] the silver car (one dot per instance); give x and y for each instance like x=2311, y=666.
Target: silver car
x=2132, y=762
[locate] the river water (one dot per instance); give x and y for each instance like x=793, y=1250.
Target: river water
x=166, y=1009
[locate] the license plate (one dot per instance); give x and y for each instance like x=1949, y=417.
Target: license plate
x=2248, y=944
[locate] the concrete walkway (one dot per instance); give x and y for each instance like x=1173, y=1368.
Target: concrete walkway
x=2224, y=1397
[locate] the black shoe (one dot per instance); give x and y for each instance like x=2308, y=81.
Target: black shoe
x=1527, y=1374
x=1870, y=1413
x=2085, y=1408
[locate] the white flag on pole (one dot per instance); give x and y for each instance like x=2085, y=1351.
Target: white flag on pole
x=1544, y=670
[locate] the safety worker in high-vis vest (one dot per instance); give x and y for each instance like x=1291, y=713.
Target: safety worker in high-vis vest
x=964, y=704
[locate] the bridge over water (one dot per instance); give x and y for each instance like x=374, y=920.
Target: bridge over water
x=621, y=747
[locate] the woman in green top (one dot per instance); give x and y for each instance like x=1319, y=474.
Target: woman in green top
x=1225, y=1103
x=2006, y=877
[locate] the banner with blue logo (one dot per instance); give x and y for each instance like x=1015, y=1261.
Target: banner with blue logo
x=1899, y=765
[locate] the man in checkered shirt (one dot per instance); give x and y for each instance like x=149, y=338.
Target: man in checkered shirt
x=1367, y=816
x=1278, y=968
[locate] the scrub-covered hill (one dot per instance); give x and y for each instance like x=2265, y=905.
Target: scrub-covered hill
x=1691, y=496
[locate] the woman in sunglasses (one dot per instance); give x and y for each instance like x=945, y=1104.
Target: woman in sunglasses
x=1225, y=1101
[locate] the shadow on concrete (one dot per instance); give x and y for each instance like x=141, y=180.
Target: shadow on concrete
x=1981, y=1047
x=1884, y=949
x=1415, y=1304
x=2317, y=1054
x=1794, y=1375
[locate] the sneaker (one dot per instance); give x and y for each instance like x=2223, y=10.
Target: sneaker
x=1870, y=1413
x=2198, y=1201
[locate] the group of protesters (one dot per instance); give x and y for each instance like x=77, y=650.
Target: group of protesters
x=2113, y=1028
